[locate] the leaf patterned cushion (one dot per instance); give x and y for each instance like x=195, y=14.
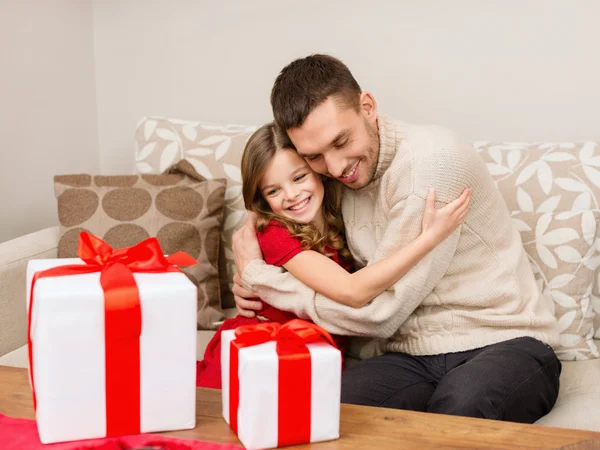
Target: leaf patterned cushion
x=215, y=151
x=545, y=180
x=561, y=248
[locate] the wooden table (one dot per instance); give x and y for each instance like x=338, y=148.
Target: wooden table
x=362, y=427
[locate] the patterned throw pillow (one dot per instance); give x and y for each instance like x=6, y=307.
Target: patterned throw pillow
x=556, y=178
x=215, y=151
x=184, y=213
x=562, y=251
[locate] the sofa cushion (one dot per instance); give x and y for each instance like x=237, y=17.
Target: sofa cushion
x=183, y=212
x=216, y=152
x=553, y=178
x=578, y=403
x=14, y=255
x=561, y=248
x=16, y=358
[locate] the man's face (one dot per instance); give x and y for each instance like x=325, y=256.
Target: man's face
x=340, y=142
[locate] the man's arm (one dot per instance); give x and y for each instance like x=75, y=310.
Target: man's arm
x=383, y=316
x=245, y=249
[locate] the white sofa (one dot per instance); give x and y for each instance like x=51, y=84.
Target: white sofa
x=578, y=404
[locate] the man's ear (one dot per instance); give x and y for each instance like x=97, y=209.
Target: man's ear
x=368, y=107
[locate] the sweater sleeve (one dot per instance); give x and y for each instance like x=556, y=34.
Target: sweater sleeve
x=383, y=316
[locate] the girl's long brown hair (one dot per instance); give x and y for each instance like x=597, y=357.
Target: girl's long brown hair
x=258, y=154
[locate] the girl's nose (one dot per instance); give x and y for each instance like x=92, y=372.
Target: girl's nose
x=292, y=194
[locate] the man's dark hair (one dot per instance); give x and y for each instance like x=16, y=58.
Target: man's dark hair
x=307, y=82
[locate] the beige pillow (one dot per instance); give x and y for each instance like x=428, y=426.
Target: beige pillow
x=215, y=151
x=561, y=249
x=549, y=178
x=545, y=177
x=184, y=213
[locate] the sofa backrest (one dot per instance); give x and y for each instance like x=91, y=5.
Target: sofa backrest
x=552, y=191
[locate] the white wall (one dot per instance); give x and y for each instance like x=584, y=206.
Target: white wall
x=47, y=107
x=495, y=69
x=76, y=75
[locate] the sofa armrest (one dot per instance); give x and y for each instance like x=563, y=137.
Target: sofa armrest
x=14, y=255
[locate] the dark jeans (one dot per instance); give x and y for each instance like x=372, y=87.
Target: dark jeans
x=515, y=380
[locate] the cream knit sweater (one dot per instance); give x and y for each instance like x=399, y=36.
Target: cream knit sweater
x=475, y=289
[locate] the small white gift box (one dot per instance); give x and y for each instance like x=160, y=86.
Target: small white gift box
x=281, y=397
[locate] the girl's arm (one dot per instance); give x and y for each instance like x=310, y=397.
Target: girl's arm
x=326, y=277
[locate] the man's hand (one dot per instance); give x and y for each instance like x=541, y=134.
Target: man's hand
x=245, y=244
x=243, y=299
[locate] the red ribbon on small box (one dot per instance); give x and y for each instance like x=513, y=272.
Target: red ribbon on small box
x=294, y=390
x=122, y=318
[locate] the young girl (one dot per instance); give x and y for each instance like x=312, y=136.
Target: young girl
x=299, y=228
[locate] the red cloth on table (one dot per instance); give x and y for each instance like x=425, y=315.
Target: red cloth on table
x=278, y=247
x=21, y=434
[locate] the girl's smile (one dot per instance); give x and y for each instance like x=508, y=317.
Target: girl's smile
x=292, y=189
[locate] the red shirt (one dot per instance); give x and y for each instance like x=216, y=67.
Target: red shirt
x=278, y=247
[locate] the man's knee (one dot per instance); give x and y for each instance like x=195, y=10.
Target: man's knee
x=357, y=387
x=360, y=386
x=488, y=387
x=468, y=401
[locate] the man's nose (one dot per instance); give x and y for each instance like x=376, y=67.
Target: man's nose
x=335, y=165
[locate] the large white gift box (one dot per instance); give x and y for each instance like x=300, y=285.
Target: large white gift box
x=305, y=409
x=67, y=340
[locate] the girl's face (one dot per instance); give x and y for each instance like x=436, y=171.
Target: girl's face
x=292, y=189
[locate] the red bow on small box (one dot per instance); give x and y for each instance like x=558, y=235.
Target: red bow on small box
x=294, y=388
x=122, y=318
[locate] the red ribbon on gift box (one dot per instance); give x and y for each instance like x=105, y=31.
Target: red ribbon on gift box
x=122, y=318
x=294, y=389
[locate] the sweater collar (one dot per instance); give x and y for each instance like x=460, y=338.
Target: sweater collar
x=388, y=142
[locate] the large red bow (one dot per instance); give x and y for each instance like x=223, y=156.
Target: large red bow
x=294, y=389
x=123, y=318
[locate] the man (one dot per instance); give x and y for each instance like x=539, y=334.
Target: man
x=466, y=331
